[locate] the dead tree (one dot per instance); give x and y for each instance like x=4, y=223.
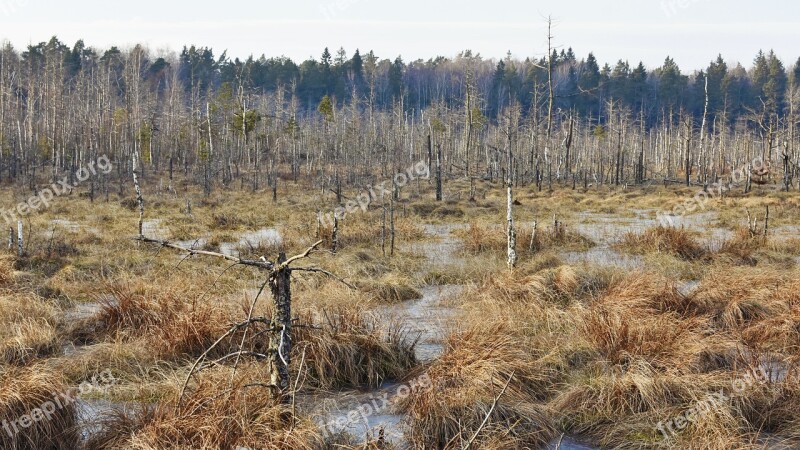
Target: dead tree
x=391, y=225
x=511, y=233
x=20, y=240
x=439, y=195
x=139, y=198
x=280, y=324
x=335, y=234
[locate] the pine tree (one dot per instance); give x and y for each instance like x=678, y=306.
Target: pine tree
x=671, y=84
x=775, y=87
x=796, y=74
x=638, y=85
x=716, y=73
x=326, y=108
x=396, y=78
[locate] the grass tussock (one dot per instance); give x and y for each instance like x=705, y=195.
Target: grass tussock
x=6, y=271
x=162, y=315
x=661, y=239
x=28, y=329
x=390, y=289
x=350, y=350
x=217, y=412
x=466, y=381
x=479, y=239
x=369, y=231
x=28, y=397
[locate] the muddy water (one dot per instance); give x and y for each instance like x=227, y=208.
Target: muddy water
x=425, y=320
x=359, y=414
x=568, y=443
x=92, y=413
x=442, y=249
x=265, y=237
x=606, y=230
x=155, y=229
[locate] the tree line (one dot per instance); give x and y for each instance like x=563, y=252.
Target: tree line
x=554, y=119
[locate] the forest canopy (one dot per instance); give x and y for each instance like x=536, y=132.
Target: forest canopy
x=580, y=85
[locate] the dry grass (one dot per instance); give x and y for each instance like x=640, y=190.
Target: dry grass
x=163, y=315
x=466, y=380
x=479, y=239
x=390, y=289
x=676, y=241
x=6, y=271
x=34, y=389
x=594, y=351
x=350, y=349
x=28, y=329
x=217, y=413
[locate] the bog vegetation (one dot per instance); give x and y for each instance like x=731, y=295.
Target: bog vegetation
x=532, y=278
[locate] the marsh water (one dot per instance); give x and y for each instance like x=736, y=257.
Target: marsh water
x=427, y=320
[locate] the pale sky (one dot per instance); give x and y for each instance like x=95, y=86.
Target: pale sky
x=693, y=32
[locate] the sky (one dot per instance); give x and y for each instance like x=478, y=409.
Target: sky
x=693, y=32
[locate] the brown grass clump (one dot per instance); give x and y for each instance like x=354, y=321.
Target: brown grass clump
x=28, y=329
x=742, y=246
x=620, y=335
x=735, y=298
x=28, y=398
x=430, y=210
x=6, y=271
x=350, y=350
x=645, y=291
x=217, y=413
x=479, y=239
x=390, y=289
x=465, y=382
x=365, y=230
x=676, y=241
x=159, y=314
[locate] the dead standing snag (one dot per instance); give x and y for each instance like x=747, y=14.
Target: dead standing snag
x=280, y=325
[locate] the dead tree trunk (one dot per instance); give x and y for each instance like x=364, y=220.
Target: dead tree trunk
x=335, y=234
x=439, y=195
x=280, y=342
x=20, y=240
x=391, y=226
x=139, y=199
x=511, y=233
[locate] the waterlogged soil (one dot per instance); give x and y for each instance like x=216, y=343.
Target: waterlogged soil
x=425, y=321
x=70, y=226
x=428, y=319
x=92, y=413
x=442, y=247
x=361, y=415
x=607, y=230
x=267, y=237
